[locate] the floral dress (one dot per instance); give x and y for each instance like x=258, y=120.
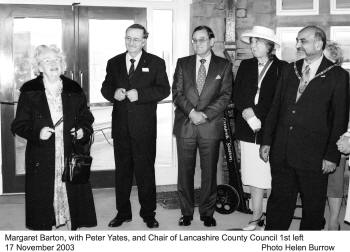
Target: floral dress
x=61, y=207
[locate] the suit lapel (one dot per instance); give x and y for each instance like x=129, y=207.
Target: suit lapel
x=143, y=62
x=211, y=73
x=191, y=67
x=316, y=80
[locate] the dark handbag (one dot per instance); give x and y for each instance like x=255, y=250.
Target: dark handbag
x=78, y=163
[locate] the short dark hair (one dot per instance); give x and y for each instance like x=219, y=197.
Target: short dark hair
x=319, y=34
x=204, y=27
x=141, y=27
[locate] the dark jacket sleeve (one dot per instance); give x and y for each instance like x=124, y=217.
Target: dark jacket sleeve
x=272, y=116
x=108, y=87
x=179, y=98
x=339, y=107
x=23, y=124
x=262, y=108
x=218, y=105
x=159, y=89
x=240, y=99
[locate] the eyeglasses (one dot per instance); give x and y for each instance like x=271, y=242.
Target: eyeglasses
x=135, y=40
x=51, y=61
x=199, y=41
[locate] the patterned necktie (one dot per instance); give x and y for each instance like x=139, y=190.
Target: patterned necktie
x=304, y=81
x=201, y=76
x=132, y=68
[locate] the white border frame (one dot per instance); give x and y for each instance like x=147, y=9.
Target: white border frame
x=338, y=11
x=333, y=30
x=299, y=12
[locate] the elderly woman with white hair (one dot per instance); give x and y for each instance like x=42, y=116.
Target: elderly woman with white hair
x=253, y=93
x=50, y=106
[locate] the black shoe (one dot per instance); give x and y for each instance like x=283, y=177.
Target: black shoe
x=185, y=220
x=209, y=221
x=151, y=223
x=118, y=221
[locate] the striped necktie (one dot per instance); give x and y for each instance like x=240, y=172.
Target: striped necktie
x=304, y=81
x=201, y=76
x=132, y=68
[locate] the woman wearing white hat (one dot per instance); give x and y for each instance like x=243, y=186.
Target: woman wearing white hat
x=253, y=93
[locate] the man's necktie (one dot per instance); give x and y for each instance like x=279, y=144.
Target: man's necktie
x=132, y=68
x=304, y=81
x=201, y=76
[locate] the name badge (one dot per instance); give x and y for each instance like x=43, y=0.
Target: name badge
x=145, y=69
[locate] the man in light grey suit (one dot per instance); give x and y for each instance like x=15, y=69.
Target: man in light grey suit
x=201, y=91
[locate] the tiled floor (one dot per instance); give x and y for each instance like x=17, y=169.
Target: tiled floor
x=12, y=215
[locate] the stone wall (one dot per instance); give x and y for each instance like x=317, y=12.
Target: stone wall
x=213, y=14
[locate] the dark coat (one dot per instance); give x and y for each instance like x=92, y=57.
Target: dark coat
x=152, y=85
x=32, y=115
x=212, y=101
x=244, y=91
x=305, y=132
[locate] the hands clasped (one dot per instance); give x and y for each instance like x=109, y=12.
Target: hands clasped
x=197, y=117
x=344, y=144
x=121, y=93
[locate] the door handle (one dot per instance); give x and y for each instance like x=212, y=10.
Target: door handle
x=71, y=75
x=81, y=77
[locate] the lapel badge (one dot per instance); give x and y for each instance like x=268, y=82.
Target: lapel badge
x=218, y=77
x=145, y=69
x=323, y=76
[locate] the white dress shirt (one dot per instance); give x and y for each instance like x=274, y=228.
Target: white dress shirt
x=206, y=64
x=128, y=63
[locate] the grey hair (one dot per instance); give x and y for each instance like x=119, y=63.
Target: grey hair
x=40, y=50
x=335, y=53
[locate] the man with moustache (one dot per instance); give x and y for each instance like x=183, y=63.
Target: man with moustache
x=201, y=91
x=135, y=82
x=308, y=115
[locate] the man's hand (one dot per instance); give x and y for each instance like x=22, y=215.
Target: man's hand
x=132, y=95
x=46, y=132
x=344, y=144
x=120, y=94
x=328, y=166
x=196, y=117
x=264, y=152
x=248, y=113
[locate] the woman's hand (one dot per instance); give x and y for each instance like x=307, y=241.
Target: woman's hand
x=46, y=132
x=80, y=133
x=248, y=113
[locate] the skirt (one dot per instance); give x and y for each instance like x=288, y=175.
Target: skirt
x=255, y=172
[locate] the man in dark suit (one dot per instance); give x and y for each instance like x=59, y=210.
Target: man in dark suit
x=201, y=91
x=134, y=83
x=307, y=117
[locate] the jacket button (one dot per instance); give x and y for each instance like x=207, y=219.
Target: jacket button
x=293, y=111
x=291, y=128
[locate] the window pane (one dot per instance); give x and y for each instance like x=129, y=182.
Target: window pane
x=297, y=4
x=106, y=39
x=102, y=148
x=343, y=4
x=27, y=34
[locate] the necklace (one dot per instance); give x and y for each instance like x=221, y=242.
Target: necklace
x=303, y=86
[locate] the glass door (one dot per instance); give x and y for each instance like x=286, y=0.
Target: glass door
x=23, y=28
x=101, y=37
x=89, y=36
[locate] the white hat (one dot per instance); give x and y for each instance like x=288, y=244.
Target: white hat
x=260, y=32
